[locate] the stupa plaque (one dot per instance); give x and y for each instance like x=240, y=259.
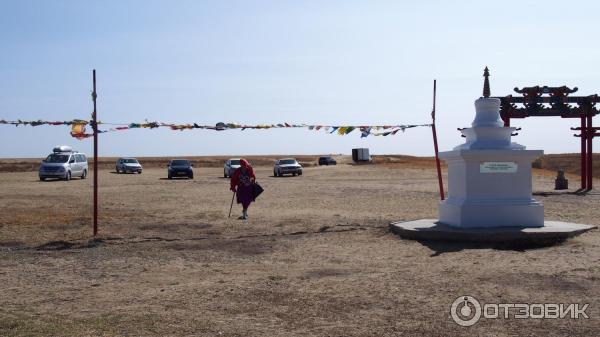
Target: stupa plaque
x=498, y=167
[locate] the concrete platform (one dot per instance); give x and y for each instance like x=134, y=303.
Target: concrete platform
x=431, y=229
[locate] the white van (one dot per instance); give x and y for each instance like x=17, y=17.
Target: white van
x=64, y=163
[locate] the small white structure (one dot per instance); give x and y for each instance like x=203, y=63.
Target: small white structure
x=489, y=177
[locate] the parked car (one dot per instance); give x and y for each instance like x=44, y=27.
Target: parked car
x=180, y=168
x=287, y=166
x=230, y=166
x=125, y=165
x=327, y=160
x=64, y=163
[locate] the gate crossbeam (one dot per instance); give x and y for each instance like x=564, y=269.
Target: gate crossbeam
x=544, y=101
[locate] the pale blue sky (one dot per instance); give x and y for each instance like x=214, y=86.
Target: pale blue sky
x=321, y=62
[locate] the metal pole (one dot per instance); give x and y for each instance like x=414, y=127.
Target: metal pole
x=583, y=155
x=95, y=128
x=589, y=137
x=435, y=145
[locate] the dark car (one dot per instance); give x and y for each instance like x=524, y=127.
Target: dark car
x=327, y=161
x=180, y=168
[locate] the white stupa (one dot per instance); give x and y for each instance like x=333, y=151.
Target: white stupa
x=489, y=189
x=489, y=177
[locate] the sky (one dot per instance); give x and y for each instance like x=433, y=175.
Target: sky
x=263, y=62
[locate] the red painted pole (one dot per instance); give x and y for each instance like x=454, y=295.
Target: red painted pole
x=589, y=137
x=583, y=155
x=95, y=127
x=435, y=145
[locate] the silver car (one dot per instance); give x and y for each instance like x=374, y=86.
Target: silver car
x=287, y=166
x=64, y=163
x=125, y=165
x=230, y=166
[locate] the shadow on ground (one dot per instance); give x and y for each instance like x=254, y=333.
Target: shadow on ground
x=441, y=247
x=66, y=245
x=580, y=192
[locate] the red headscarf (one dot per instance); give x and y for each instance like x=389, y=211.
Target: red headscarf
x=235, y=178
x=245, y=163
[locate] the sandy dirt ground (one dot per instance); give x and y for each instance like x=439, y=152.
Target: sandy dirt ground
x=315, y=258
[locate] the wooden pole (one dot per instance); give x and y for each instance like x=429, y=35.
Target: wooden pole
x=583, y=155
x=589, y=138
x=435, y=145
x=95, y=128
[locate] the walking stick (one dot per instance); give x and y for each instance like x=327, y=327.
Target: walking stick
x=230, y=207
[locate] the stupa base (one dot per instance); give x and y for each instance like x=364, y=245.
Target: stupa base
x=432, y=229
x=499, y=213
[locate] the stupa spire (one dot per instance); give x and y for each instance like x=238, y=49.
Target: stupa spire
x=486, y=83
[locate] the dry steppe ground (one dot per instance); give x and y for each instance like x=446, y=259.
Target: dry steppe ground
x=315, y=258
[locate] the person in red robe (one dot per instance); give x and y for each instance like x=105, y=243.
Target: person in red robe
x=242, y=183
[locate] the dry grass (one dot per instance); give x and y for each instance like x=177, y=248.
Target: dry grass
x=315, y=258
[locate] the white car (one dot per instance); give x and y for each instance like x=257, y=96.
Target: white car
x=287, y=166
x=64, y=163
x=125, y=165
x=230, y=166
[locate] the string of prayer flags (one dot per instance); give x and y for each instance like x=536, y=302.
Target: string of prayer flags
x=41, y=122
x=78, y=127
